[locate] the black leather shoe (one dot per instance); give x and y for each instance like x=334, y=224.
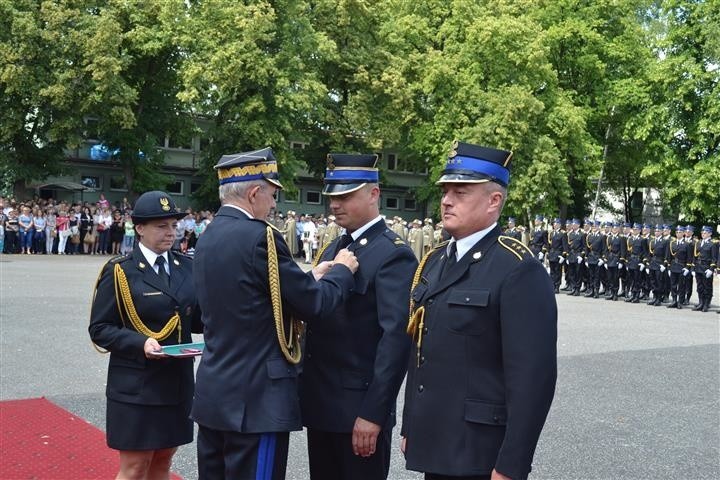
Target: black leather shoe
x=673, y=305
x=697, y=307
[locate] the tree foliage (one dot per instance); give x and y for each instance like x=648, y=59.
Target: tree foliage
x=620, y=92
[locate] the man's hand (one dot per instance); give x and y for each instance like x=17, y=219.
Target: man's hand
x=498, y=476
x=321, y=269
x=403, y=444
x=561, y=260
x=364, y=437
x=347, y=258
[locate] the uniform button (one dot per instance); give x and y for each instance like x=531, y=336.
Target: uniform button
x=367, y=384
x=422, y=359
x=467, y=299
x=421, y=389
x=425, y=330
x=495, y=418
x=309, y=356
x=430, y=302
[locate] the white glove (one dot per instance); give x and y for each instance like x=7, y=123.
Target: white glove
x=686, y=272
x=579, y=259
x=561, y=260
x=708, y=273
x=641, y=266
x=600, y=262
x=669, y=273
x=662, y=268
x=606, y=267
x=541, y=255
x=620, y=266
x=587, y=265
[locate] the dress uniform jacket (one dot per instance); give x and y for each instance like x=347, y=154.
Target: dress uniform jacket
x=538, y=241
x=637, y=250
x=479, y=390
x=131, y=377
x=595, y=247
x=134, y=383
x=576, y=245
x=244, y=383
x=680, y=255
x=356, y=355
x=557, y=242
x=615, y=250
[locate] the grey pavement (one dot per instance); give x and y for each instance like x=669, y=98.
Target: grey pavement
x=638, y=393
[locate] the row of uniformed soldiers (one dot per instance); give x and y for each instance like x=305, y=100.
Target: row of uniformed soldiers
x=634, y=262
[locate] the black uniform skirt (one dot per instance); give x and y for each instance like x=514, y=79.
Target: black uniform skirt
x=131, y=426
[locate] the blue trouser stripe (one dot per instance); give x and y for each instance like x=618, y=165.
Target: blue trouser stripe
x=270, y=456
x=261, y=458
x=266, y=456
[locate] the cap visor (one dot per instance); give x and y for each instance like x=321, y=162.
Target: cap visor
x=458, y=178
x=341, y=188
x=275, y=182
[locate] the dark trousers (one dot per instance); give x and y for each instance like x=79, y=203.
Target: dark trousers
x=332, y=457
x=636, y=280
x=436, y=476
x=555, y=273
x=704, y=287
x=241, y=456
x=613, y=280
x=593, y=282
x=656, y=282
x=677, y=285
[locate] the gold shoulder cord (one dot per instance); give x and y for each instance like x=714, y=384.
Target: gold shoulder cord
x=320, y=254
x=416, y=322
x=126, y=307
x=291, y=347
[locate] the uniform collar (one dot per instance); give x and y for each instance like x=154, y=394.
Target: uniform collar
x=151, y=256
x=465, y=244
x=358, y=233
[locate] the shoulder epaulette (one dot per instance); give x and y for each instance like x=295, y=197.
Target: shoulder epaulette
x=119, y=258
x=271, y=225
x=515, y=246
x=182, y=254
x=394, y=238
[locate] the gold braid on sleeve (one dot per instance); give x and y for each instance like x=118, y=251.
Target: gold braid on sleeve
x=126, y=307
x=290, y=347
x=319, y=254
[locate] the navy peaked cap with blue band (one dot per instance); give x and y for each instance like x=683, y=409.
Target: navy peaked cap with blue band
x=247, y=166
x=347, y=172
x=469, y=163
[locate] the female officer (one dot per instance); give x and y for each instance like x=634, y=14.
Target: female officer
x=142, y=301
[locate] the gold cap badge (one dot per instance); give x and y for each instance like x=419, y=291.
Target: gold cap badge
x=165, y=204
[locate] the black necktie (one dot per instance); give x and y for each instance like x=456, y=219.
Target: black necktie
x=345, y=240
x=450, y=260
x=162, y=273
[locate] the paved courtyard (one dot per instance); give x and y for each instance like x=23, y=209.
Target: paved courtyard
x=638, y=392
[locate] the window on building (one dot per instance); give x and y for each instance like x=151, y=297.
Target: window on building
x=392, y=161
x=118, y=183
x=291, y=197
x=204, y=144
x=313, y=197
x=194, y=187
x=410, y=204
x=392, y=203
x=181, y=141
x=298, y=145
x=91, y=181
x=175, y=188
x=91, y=129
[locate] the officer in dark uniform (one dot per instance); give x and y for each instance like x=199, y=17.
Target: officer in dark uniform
x=679, y=266
x=566, y=265
x=482, y=369
x=576, y=256
x=144, y=300
x=614, y=259
x=557, y=253
x=512, y=230
x=636, y=252
x=622, y=270
x=646, y=286
x=691, y=240
x=595, y=245
x=539, y=239
x=705, y=255
x=253, y=294
x=658, y=248
x=356, y=354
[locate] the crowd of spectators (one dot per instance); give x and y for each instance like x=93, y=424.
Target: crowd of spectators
x=41, y=226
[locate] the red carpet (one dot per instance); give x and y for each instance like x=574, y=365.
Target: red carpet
x=42, y=441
